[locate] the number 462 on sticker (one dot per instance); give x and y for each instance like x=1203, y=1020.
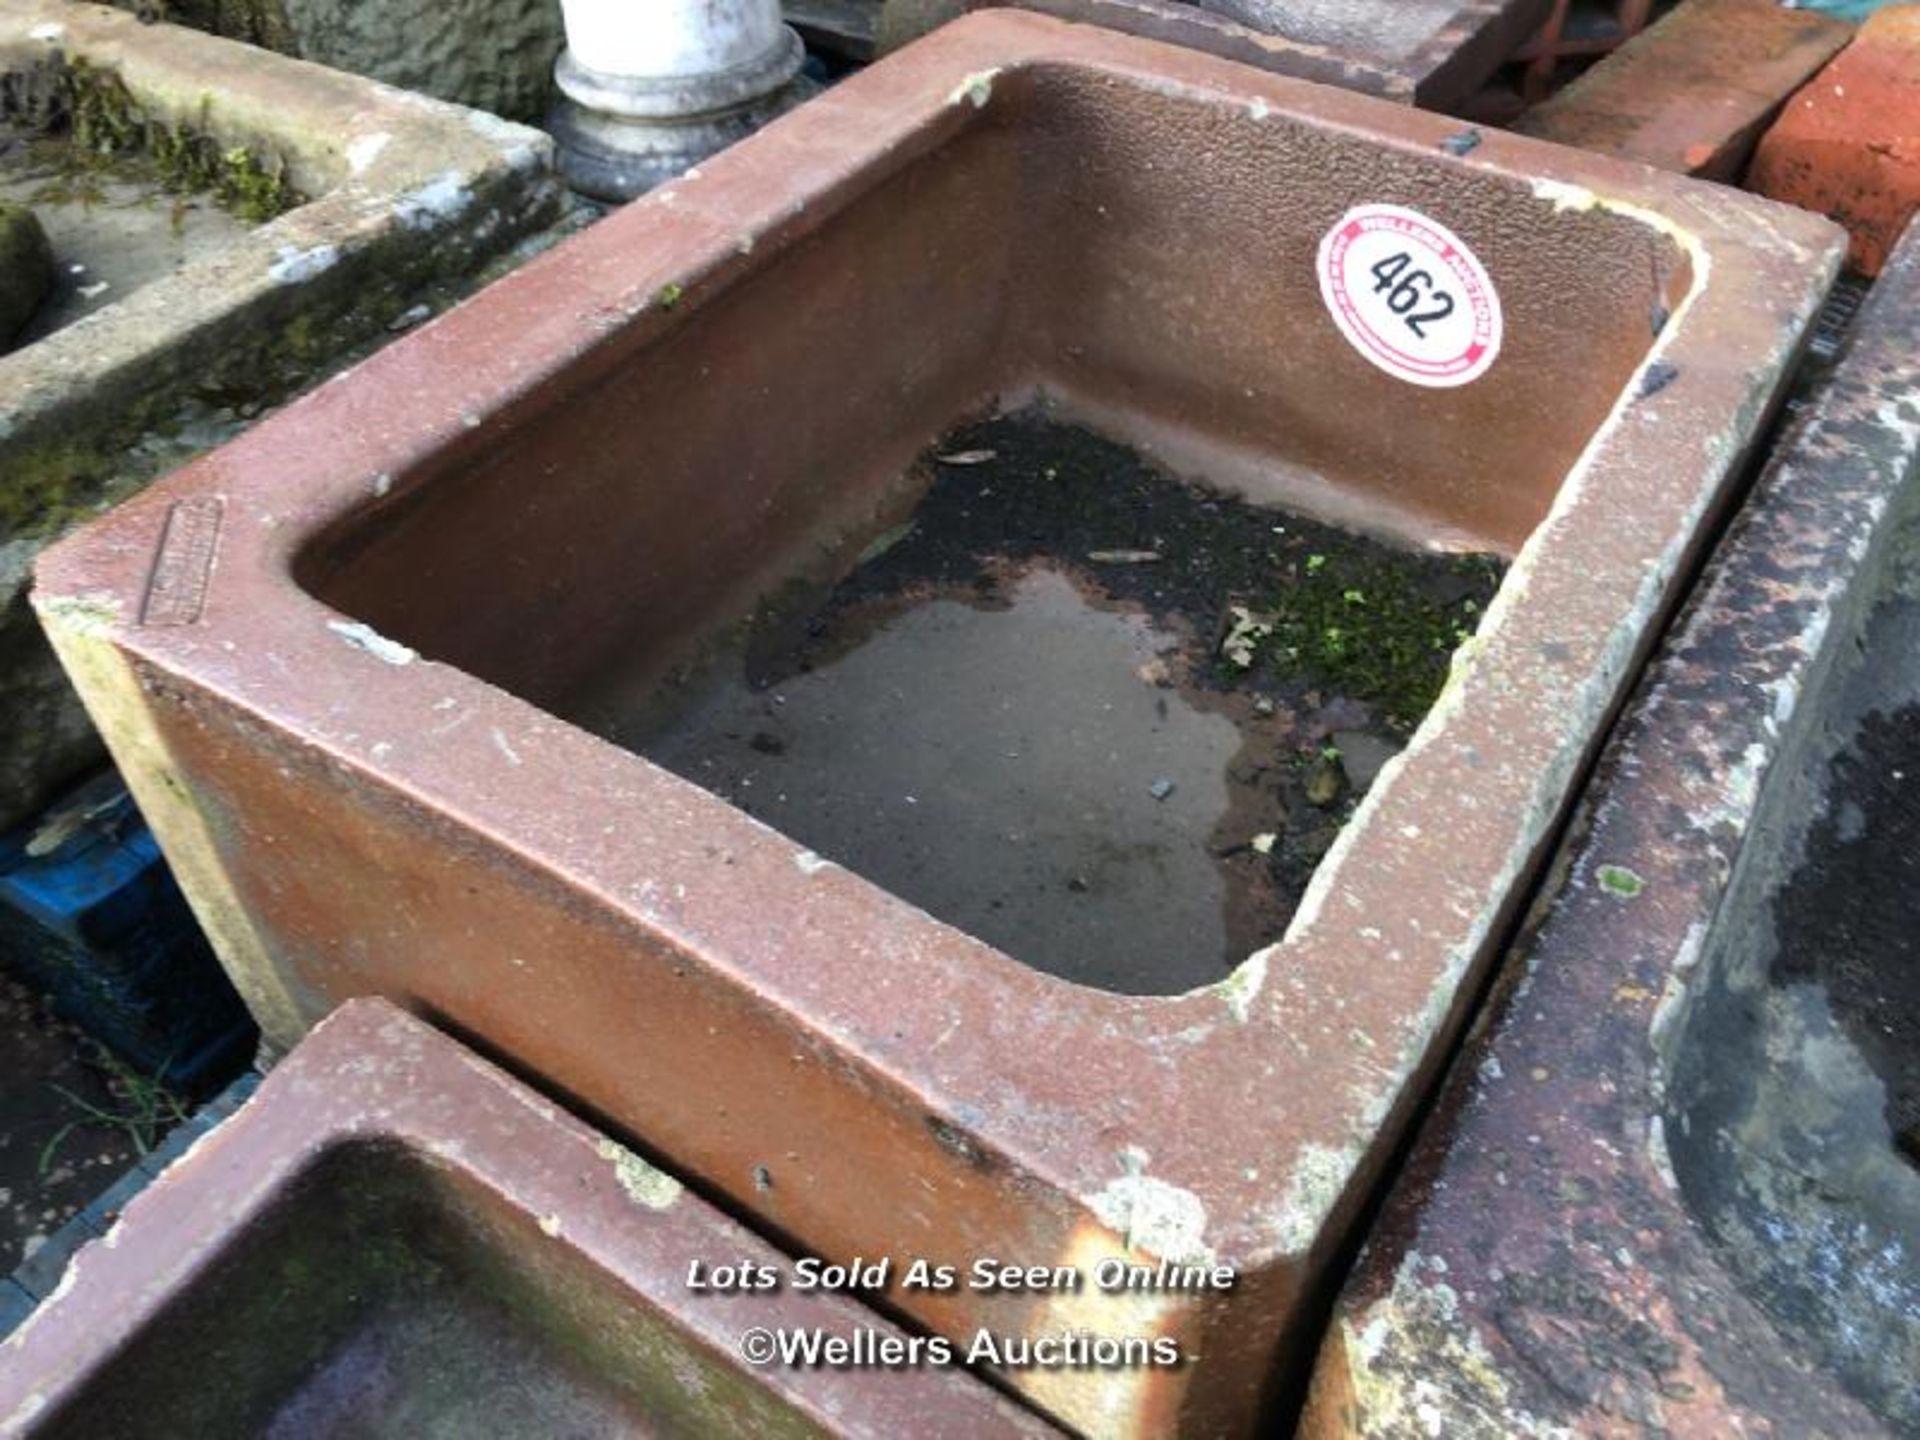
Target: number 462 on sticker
x=1410, y=296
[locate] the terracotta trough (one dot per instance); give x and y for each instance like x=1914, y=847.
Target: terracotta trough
x=1674, y=1186
x=334, y=658
x=394, y=1238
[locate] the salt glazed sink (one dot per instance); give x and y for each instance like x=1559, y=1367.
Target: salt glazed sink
x=1674, y=1184
x=331, y=657
x=392, y=1237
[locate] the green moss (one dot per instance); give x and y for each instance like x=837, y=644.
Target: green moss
x=670, y=296
x=1618, y=880
x=48, y=489
x=1359, y=624
x=105, y=121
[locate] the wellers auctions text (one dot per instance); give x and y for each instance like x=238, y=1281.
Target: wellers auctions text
x=986, y=1275
x=881, y=1349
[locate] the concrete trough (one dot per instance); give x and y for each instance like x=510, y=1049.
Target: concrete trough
x=388, y=192
x=392, y=1237
x=336, y=658
x=1674, y=1185
x=1430, y=53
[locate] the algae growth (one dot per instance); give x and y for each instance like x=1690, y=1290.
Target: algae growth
x=105, y=121
x=1370, y=628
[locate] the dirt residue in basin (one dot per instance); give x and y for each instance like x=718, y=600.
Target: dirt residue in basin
x=1107, y=721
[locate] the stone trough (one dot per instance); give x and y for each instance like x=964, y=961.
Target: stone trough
x=367, y=195
x=1430, y=53
x=392, y=1237
x=341, y=659
x=1674, y=1186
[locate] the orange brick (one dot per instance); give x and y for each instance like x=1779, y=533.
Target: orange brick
x=1849, y=144
x=1695, y=91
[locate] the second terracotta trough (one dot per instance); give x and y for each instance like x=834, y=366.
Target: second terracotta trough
x=334, y=658
x=394, y=1238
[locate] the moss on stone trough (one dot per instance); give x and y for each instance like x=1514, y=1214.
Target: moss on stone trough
x=49, y=488
x=103, y=119
x=107, y=120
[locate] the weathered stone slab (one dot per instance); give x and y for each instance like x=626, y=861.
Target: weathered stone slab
x=1431, y=53
x=396, y=191
x=494, y=55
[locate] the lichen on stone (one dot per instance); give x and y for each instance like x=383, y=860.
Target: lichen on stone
x=1619, y=880
x=645, y=1185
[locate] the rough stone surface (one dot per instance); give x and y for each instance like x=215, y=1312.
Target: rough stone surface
x=406, y=193
x=1693, y=92
x=561, y=477
x=1848, y=145
x=1659, y=1193
x=26, y=268
x=494, y=55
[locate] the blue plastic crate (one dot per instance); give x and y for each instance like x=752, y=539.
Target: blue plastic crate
x=91, y=917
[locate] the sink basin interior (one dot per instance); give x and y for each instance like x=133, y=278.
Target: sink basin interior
x=1794, y=1110
x=1113, y=269
x=383, y=1294
x=1101, y=719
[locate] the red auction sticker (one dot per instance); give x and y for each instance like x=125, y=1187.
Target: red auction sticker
x=1410, y=296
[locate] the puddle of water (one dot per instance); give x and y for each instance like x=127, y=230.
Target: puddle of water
x=113, y=225
x=1031, y=785
x=1103, y=720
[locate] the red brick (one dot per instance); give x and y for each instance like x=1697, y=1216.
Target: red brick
x=1849, y=144
x=1694, y=92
